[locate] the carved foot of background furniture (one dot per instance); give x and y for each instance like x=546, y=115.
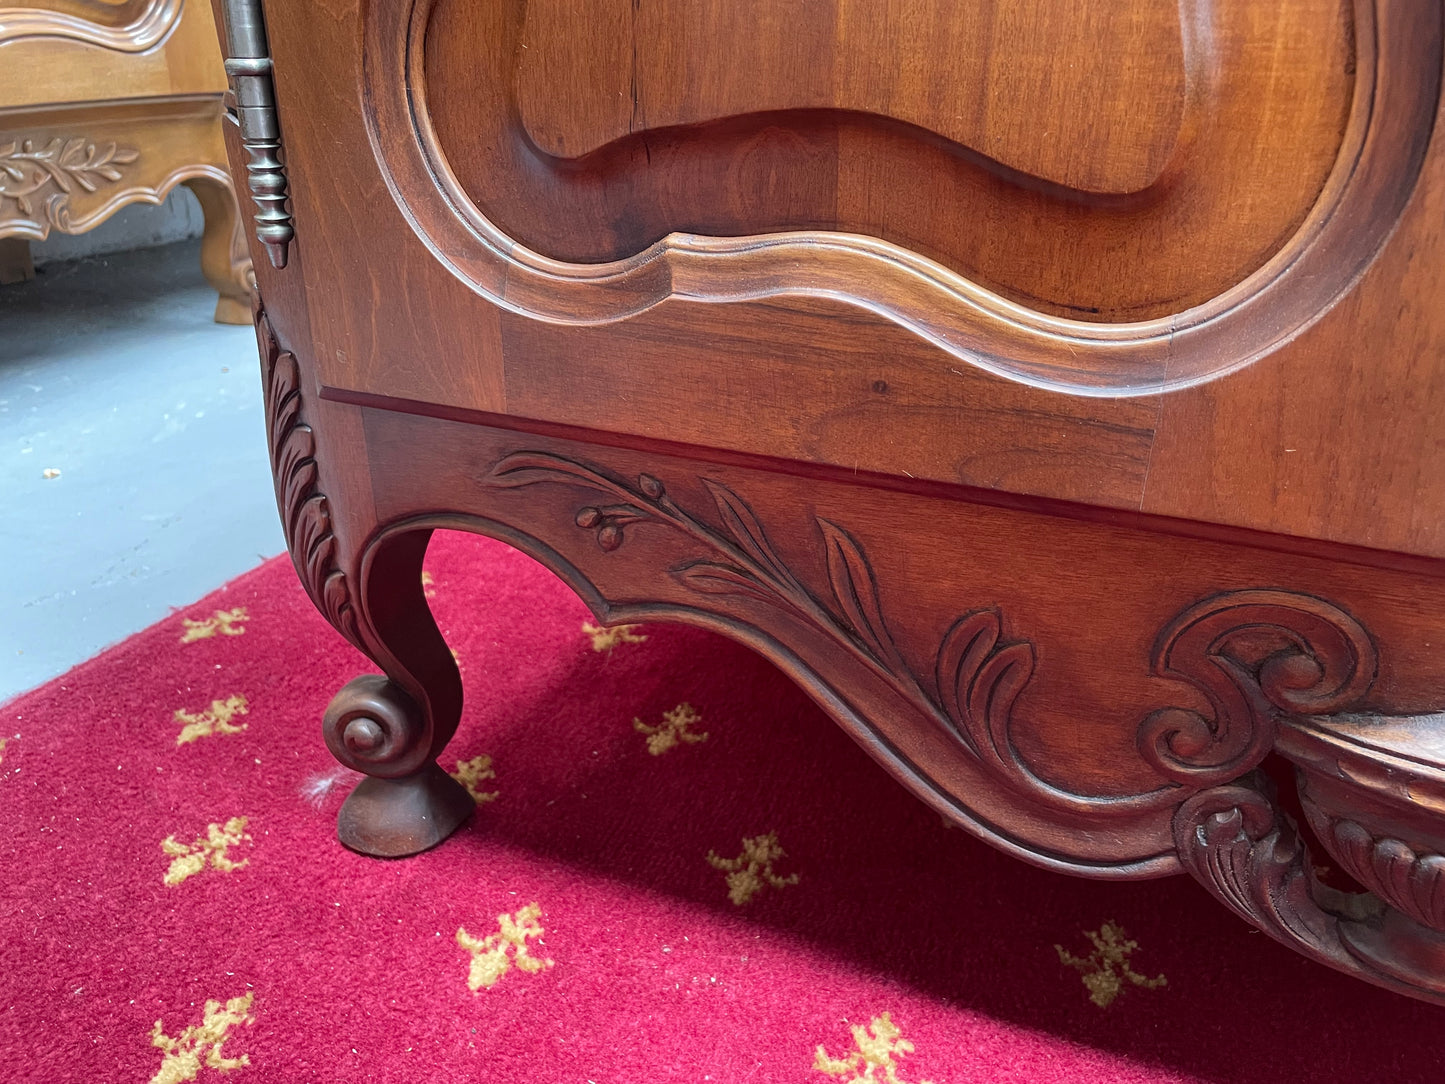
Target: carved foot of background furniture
x=1238, y=843
x=225, y=260
x=15, y=262
x=373, y=726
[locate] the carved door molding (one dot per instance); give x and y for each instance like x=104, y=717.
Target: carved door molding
x=1397, y=73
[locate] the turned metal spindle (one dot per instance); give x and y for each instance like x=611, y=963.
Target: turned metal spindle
x=248, y=68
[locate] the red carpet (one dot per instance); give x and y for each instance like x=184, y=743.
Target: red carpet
x=681, y=871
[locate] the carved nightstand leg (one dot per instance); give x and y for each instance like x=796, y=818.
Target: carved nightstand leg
x=225, y=261
x=393, y=727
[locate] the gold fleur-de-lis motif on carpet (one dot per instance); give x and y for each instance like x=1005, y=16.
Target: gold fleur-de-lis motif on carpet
x=428, y=585
x=221, y=623
x=750, y=872
x=189, y=859
x=494, y=955
x=1107, y=968
x=3, y=743
x=876, y=1049
x=472, y=773
x=605, y=639
x=214, y=720
x=672, y=730
x=200, y=1044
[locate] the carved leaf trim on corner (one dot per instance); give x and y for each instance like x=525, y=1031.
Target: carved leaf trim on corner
x=1411, y=881
x=305, y=510
x=1238, y=844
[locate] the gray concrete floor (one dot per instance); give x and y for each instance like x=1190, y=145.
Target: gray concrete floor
x=113, y=374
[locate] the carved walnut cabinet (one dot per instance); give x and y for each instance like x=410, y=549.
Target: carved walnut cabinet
x=1055, y=389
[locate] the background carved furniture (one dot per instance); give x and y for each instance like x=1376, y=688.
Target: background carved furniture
x=1055, y=391
x=110, y=102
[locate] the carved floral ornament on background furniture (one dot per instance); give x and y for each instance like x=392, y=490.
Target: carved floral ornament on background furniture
x=38, y=176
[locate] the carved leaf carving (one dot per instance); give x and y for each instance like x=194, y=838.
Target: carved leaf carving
x=743, y=525
x=1319, y=658
x=978, y=678
x=1390, y=868
x=856, y=591
x=979, y=682
x=34, y=178
x=1239, y=845
x=305, y=511
x=713, y=578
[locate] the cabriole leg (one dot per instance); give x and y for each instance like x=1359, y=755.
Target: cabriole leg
x=393, y=727
x=367, y=583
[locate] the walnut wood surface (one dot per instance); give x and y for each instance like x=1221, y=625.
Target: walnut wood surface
x=1284, y=445
x=1013, y=163
x=1076, y=612
x=592, y=75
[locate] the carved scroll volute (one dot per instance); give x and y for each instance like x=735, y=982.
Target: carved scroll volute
x=1254, y=655
x=1240, y=846
x=248, y=67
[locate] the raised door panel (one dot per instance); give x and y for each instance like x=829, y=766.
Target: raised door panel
x=1034, y=148
x=985, y=178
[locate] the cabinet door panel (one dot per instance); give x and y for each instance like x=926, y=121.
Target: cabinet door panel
x=1101, y=198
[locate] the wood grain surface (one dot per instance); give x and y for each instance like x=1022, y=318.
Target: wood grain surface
x=1054, y=392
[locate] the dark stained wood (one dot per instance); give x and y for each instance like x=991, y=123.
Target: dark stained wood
x=1098, y=462
x=592, y=75
x=1013, y=162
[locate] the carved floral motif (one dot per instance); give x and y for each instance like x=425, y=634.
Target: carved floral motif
x=37, y=181
x=1253, y=654
x=978, y=677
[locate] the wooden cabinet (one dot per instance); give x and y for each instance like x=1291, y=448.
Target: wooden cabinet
x=1055, y=390
x=109, y=102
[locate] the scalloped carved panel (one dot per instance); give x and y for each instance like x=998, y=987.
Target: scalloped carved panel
x=1110, y=199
